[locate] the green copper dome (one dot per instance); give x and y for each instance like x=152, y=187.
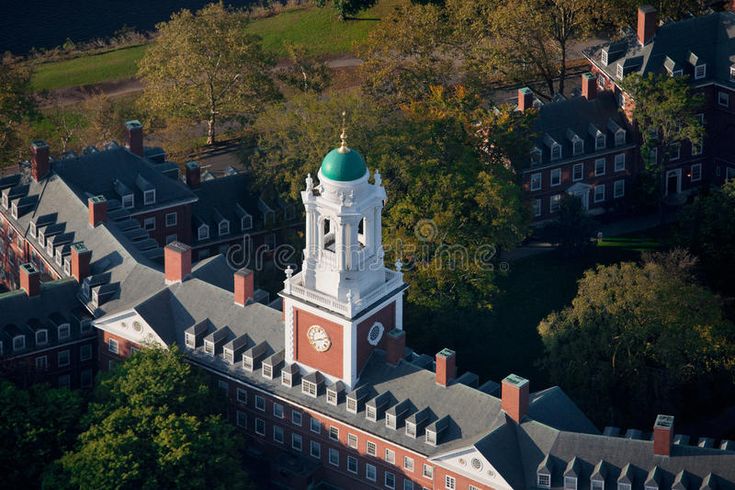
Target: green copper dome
x=343, y=165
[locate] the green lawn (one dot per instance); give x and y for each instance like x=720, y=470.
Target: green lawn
x=86, y=70
x=317, y=29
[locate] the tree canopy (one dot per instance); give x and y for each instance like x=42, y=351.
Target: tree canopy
x=204, y=66
x=347, y=8
x=639, y=339
x=154, y=424
x=16, y=107
x=36, y=426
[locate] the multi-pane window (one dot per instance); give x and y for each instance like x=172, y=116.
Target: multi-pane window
x=334, y=433
x=315, y=425
x=171, y=219
x=297, y=442
x=308, y=388
x=242, y=396
x=620, y=137
x=352, y=464
x=696, y=172
x=371, y=472
x=619, y=189
x=450, y=483
x=278, y=434
x=578, y=172
x=260, y=427
x=578, y=146
x=597, y=485
x=536, y=208
x=41, y=337
x=700, y=71
x=277, y=410
x=296, y=418
x=149, y=197
x=242, y=419
x=554, y=202
x=536, y=182
x=723, y=99
x=315, y=449
x=64, y=331
x=556, y=176
x=620, y=162
x=333, y=456
x=371, y=448
x=599, y=167
x=260, y=403
x=696, y=149
x=149, y=224
x=389, y=480
x=408, y=463
x=600, y=193
x=428, y=471
x=41, y=363
x=600, y=142
x=407, y=484
x=85, y=352
x=352, y=441
x=113, y=346
x=543, y=480
x=203, y=232
x=555, y=151
x=570, y=483
x=675, y=151
x=390, y=456
x=535, y=156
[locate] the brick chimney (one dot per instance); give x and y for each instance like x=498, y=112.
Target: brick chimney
x=395, y=345
x=244, y=286
x=515, y=391
x=81, y=258
x=647, y=23
x=97, y=207
x=589, y=86
x=446, y=366
x=525, y=99
x=30, y=279
x=663, y=435
x=177, y=262
x=135, y=137
x=39, y=160
x=193, y=174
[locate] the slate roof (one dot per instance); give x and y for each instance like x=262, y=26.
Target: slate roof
x=96, y=174
x=558, y=120
x=706, y=39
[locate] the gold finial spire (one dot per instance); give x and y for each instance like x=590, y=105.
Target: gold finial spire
x=343, y=137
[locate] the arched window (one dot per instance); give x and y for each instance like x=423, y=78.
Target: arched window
x=328, y=240
x=361, y=233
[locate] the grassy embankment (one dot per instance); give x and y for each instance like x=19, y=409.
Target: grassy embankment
x=317, y=29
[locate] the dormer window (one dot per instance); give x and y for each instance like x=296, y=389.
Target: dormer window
x=543, y=480
x=32, y=229
x=64, y=331
x=535, y=156
x=430, y=437
x=332, y=397
x=700, y=71
x=128, y=201
x=371, y=413
x=6, y=201
x=620, y=137
x=732, y=73
x=41, y=337
x=203, y=232
x=246, y=223
x=570, y=483
x=619, y=72
x=190, y=340
x=600, y=142
x=41, y=238
x=351, y=405
x=411, y=429
x=209, y=347
x=308, y=388
x=224, y=228
x=578, y=145
x=597, y=484
x=14, y=210
x=603, y=57
x=555, y=151
x=19, y=342
x=149, y=197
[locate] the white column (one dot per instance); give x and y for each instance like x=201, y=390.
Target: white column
x=289, y=328
x=349, y=355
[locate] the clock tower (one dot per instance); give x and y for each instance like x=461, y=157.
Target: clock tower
x=344, y=301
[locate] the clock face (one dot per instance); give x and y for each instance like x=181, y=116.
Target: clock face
x=319, y=338
x=375, y=333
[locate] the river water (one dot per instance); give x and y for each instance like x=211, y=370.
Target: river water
x=25, y=24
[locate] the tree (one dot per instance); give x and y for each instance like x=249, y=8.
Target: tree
x=16, y=107
x=303, y=73
x=707, y=228
x=36, y=426
x=206, y=67
x=105, y=119
x=573, y=227
x=641, y=339
x=347, y=8
x=665, y=110
x=529, y=39
x=153, y=423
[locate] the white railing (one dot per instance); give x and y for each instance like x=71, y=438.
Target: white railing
x=350, y=306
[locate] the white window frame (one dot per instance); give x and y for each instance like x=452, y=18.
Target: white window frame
x=577, y=166
x=389, y=480
x=408, y=464
x=675, y=155
x=259, y=403
x=620, y=137
x=149, y=223
x=113, y=346
x=334, y=433
x=619, y=72
x=128, y=201
x=334, y=461
x=700, y=71
x=619, y=189
x=427, y=471
x=149, y=197
x=536, y=207
x=226, y=230
x=172, y=222
x=556, y=172
x=723, y=99
x=44, y=335
x=732, y=73
x=575, y=142
x=260, y=423
x=598, y=138
x=371, y=472
x=556, y=152
x=599, y=196
x=315, y=449
x=352, y=441
x=596, y=484
x=85, y=352
x=698, y=172
x=570, y=483
x=246, y=223
x=619, y=162
x=450, y=482
x=203, y=232
x=539, y=181
x=296, y=415
x=390, y=456
x=278, y=434
x=599, y=161
x=64, y=331
x=63, y=358
x=554, y=203
x=315, y=425
x=278, y=410
x=371, y=448
x=352, y=464
x=536, y=156
x=298, y=446
x=543, y=480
